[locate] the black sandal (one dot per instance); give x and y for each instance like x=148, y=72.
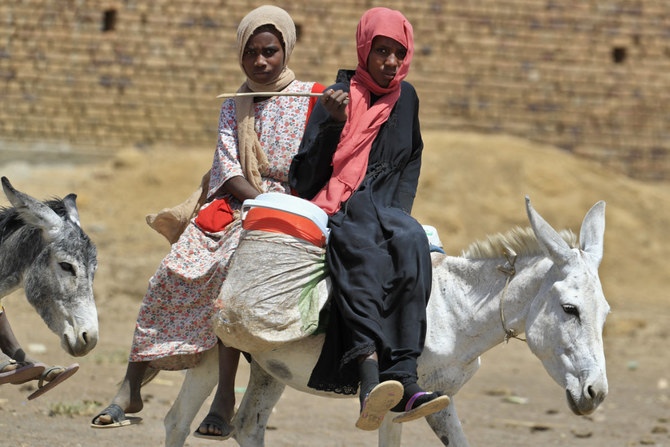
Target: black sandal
x=432, y=403
x=119, y=418
x=227, y=430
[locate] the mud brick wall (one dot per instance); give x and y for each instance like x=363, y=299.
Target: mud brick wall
x=590, y=76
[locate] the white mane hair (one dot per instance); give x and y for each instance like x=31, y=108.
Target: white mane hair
x=516, y=242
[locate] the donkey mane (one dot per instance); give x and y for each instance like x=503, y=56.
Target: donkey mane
x=517, y=241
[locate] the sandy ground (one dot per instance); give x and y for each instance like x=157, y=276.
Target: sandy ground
x=471, y=186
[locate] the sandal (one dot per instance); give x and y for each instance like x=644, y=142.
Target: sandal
x=66, y=374
x=437, y=402
x=377, y=403
x=119, y=418
x=224, y=426
x=21, y=374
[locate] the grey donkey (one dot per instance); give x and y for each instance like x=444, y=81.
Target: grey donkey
x=44, y=250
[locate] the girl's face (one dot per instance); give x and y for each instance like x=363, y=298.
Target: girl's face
x=263, y=57
x=386, y=56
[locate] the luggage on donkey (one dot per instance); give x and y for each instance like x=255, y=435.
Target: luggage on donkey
x=277, y=281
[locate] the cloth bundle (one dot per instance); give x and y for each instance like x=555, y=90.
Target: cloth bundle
x=171, y=222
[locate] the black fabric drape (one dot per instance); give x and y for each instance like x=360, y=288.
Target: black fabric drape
x=378, y=254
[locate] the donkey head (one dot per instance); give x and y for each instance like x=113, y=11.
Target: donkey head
x=565, y=322
x=58, y=281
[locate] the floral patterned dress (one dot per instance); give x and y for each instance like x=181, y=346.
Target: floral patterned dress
x=174, y=323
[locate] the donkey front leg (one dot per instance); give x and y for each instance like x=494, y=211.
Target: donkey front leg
x=262, y=394
x=447, y=426
x=390, y=433
x=197, y=386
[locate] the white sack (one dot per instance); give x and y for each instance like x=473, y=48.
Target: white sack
x=275, y=288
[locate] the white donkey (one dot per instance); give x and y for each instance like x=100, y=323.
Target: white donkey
x=539, y=282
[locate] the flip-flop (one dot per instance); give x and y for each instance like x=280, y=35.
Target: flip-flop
x=432, y=406
x=227, y=430
x=20, y=375
x=41, y=388
x=377, y=403
x=119, y=418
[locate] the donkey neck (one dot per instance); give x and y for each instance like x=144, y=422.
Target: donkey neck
x=467, y=296
x=20, y=245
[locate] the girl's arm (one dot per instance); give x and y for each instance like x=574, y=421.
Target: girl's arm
x=227, y=175
x=409, y=178
x=239, y=188
x=312, y=166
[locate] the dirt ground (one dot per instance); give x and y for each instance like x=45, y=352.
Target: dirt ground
x=471, y=186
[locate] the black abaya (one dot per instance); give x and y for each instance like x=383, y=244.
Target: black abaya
x=378, y=255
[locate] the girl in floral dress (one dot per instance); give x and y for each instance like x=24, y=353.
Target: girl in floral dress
x=258, y=137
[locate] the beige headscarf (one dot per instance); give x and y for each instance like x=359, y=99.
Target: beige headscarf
x=252, y=158
x=171, y=222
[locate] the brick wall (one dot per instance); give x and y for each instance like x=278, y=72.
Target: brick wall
x=585, y=75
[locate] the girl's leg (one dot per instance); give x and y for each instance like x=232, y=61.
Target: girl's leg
x=222, y=410
x=368, y=371
x=8, y=342
x=11, y=348
x=376, y=398
x=129, y=397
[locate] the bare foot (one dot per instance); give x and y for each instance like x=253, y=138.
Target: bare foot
x=8, y=364
x=52, y=372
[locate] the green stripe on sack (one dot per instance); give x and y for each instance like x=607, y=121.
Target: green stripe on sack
x=308, y=304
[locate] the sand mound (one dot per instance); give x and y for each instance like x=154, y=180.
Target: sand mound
x=471, y=185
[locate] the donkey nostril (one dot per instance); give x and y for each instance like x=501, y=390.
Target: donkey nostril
x=591, y=392
x=84, y=337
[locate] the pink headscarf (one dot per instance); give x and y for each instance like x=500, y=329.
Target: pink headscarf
x=350, y=160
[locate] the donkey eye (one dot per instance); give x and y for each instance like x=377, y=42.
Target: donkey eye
x=67, y=267
x=571, y=310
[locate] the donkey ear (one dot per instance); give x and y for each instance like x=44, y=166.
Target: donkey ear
x=70, y=202
x=551, y=242
x=33, y=212
x=592, y=232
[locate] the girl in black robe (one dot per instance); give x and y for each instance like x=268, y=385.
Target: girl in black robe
x=359, y=160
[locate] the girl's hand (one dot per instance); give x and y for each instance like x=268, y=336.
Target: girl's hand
x=335, y=103
x=240, y=188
